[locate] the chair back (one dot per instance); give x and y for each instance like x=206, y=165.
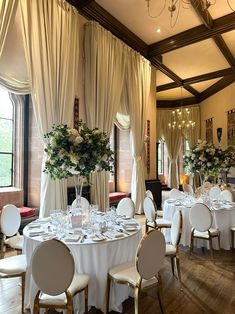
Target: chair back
x=149, y=194
x=149, y=209
x=226, y=195
x=188, y=188
x=150, y=254
x=126, y=207
x=52, y=267
x=214, y=192
x=175, y=193
x=176, y=228
x=84, y=203
x=200, y=217
x=10, y=220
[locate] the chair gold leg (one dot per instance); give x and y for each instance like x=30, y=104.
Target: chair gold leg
x=23, y=290
x=191, y=244
x=136, y=295
x=178, y=268
x=232, y=240
x=86, y=299
x=211, y=248
x=2, y=245
x=172, y=266
x=108, y=293
x=219, y=243
x=159, y=293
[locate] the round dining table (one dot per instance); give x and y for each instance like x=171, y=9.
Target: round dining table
x=223, y=218
x=93, y=256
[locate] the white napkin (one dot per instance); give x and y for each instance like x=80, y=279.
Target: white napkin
x=132, y=223
x=114, y=234
x=36, y=233
x=33, y=225
x=72, y=238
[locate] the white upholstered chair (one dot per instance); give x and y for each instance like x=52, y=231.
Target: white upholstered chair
x=10, y=221
x=126, y=207
x=150, y=215
x=150, y=195
x=226, y=195
x=214, y=192
x=84, y=203
x=201, y=219
x=175, y=194
x=144, y=272
x=53, y=271
x=173, y=247
x=14, y=266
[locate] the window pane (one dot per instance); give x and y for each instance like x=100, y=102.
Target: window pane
x=5, y=170
x=5, y=135
x=6, y=107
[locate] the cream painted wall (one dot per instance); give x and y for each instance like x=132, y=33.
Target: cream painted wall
x=217, y=106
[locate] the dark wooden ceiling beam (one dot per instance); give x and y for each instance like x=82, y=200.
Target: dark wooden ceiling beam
x=95, y=12
x=224, y=82
x=203, y=13
x=177, y=103
x=196, y=79
x=224, y=49
x=79, y=4
x=221, y=25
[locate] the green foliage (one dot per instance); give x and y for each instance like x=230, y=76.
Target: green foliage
x=208, y=159
x=71, y=152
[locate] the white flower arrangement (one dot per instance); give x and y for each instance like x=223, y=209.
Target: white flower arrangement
x=71, y=152
x=208, y=159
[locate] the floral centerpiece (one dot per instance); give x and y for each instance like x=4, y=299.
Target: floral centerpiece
x=208, y=160
x=77, y=153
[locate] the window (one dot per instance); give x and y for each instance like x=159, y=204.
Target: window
x=6, y=139
x=160, y=159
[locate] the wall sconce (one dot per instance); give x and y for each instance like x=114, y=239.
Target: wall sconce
x=219, y=134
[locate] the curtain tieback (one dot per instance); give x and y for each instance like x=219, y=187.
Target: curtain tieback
x=137, y=158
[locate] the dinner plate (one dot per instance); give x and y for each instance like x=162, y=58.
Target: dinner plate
x=96, y=239
x=170, y=201
x=131, y=228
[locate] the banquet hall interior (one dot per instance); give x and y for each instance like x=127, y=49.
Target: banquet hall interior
x=156, y=79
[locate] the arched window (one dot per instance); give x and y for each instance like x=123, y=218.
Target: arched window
x=7, y=119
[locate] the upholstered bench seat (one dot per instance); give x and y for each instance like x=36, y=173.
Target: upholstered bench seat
x=115, y=197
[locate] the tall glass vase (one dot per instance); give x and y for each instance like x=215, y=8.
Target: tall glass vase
x=78, y=181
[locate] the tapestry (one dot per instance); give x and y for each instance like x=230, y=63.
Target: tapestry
x=231, y=127
x=76, y=114
x=209, y=130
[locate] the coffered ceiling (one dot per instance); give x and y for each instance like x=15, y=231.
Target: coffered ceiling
x=198, y=53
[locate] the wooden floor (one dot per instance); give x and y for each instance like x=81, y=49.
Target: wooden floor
x=206, y=287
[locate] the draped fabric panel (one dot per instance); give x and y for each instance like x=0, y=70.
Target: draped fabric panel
x=13, y=74
x=51, y=48
x=7, y=11
x=173, y=141
x=192, y=135
x=104, y=75
x=173, y=138
x=138, y=76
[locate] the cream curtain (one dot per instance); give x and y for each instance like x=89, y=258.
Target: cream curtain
x=13, y=74
x=51, y=47
x=192, y=135
x=7, y=11
x=138, y=76
x=173, y=141
x=104, y=75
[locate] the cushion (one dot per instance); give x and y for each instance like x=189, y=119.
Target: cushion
x=117, y=196
x=27, y=211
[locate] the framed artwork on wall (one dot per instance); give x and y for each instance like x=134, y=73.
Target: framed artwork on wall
x=209, y=130
x=231, y=127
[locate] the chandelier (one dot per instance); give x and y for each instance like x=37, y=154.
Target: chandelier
x=181, y=118
x=174, y=7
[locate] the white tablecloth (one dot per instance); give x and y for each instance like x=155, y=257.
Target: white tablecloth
x=223, y=219
x=94, y=259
